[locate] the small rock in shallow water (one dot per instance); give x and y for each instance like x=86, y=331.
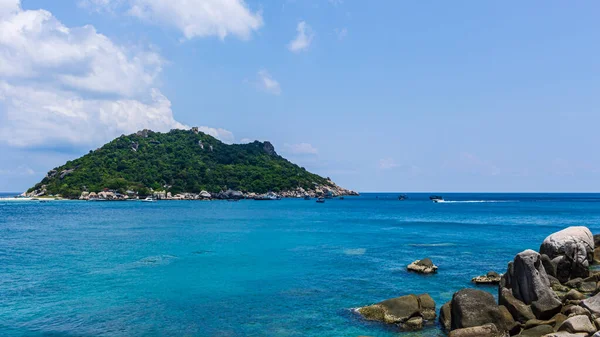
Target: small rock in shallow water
x=490, y=278
x=409, y=312
x=424, y=266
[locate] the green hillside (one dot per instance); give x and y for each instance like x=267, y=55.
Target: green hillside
x=178, y=161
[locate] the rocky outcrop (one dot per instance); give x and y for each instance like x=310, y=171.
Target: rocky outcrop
x=488, y=330
x=571, y=251
x=424, y=266
x=490, y=278
x=409, y=312
x=530, y=285
x=472, y=307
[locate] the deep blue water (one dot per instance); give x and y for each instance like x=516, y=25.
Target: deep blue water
x=277, y=268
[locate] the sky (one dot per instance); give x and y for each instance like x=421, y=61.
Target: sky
x=474, y=96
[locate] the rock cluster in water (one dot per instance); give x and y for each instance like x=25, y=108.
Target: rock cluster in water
x=424, y=266
x=550, y=293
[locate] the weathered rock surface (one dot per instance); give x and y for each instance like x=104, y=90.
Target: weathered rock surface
x=537, y=331
x=446, y=316
x=592, y=304
x=490, y=278
x=530, y=285
x=574, y=295
x=519, y=310
x=473, y=307
x=410, y=312
x=576, y=247
x=488, y=330
x=424, y=266
x=576, y=324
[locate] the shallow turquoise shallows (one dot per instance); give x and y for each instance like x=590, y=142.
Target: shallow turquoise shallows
x=255, y=268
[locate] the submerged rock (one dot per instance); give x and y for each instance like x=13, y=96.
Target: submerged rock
x=424, y=266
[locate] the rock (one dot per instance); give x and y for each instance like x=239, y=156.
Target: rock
x=488, y=330
x=405, y=311
x=592, y=304
x=530, y=285
x=519, y=310
x=490, y=278
x=587, y=287
x=574, y=283
x=549, y=266
x=427, y=306
x=559, y=319
x=565, y=334
x=537, y=331
x=596, y=255
x=574, y=295
x=536, y=322
x=512, y=327
x=446, y=316
x=576, y=310
x=473, y=307
x=576, y=245
x=575, y=324
x=424, y=266
x=413, y=323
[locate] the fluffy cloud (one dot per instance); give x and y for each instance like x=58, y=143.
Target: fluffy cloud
x=267, y=83
x=303, y=38
x=387, y=164
x=301, y=148
x=73, y=85
x=194, y=18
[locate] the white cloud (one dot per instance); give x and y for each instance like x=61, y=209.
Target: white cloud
x=267, y=83
x=8, y=6
x=225, y=136
x=341, y=33
x=194, y=18
x=303, y=38
x=387, y=164
x=73, y=85
x=301, y=148
x=246, y=141
x=18, y=171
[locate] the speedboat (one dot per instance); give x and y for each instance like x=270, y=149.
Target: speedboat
x=149, y=199
x=402, y=197
x=436, y=198
x=321, y=200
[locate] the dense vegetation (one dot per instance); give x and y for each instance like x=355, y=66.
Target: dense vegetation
x=178, y=161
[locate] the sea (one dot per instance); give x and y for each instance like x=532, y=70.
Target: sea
x=256, y=268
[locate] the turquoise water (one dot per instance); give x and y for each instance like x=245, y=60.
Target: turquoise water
x=249, y=268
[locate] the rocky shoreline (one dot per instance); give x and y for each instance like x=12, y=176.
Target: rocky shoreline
x=331, y=190
x=550, y=293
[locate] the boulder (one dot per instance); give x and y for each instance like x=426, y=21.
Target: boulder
x=587, y=287
x=473, y=307
x=519, y=310
x=487, y=330
x=549, y=266
x=574, y=295
x=537, y=331
x=565, y=334
x=424, y=266
x=530, y=285
x=409, y=312
x=427, y=305
x=490, y=278
x=577, y=324
x=576, y=310
x=576, y=245
x=446, y=316
x=592, y=304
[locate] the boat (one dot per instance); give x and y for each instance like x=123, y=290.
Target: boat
x=149, y=199
x=321, y=200
x=97, y=199
x=307, y=197
x=341, y=198
x=436, y=198
x=402, y=197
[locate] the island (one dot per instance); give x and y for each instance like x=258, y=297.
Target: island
x=182, y=164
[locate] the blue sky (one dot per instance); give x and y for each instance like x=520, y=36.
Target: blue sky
x=384, y=96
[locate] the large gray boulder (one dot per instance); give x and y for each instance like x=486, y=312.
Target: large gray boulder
x=409, y=312
x=446, y=316
x=519, y=310
x=487, y=330
x=472, y=307
x=530, y=285
x=577, y=324
x=571, y=250
x=592, y=304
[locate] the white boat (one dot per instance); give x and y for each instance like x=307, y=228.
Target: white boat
x=149, y=199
